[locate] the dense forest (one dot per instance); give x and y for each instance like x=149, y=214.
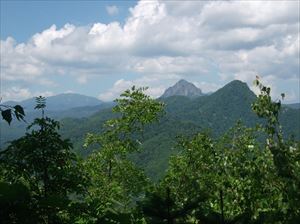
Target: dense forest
x=242, y=175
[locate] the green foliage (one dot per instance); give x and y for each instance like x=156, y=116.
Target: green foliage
x=14, y=200
x=234, y=177
x=247, y=175
x=285, y=154
x=7, y=112
x=240, y=179
x=217, y=112
x=45, y=164
x=116, y=181
x=160, y=206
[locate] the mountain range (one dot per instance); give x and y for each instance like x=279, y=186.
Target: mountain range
x=186, y=114
x=60, y=102
x=293, y=105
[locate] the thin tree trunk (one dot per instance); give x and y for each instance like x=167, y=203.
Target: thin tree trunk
x=222, y=207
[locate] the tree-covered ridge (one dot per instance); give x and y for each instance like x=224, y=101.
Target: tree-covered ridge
x=230, y=103
x=247, y=175
x=184, y=116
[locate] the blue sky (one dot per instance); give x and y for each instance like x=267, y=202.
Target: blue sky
x=22, y=19
x=100, y=48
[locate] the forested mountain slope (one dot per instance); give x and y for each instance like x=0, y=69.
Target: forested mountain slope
x=183, y=116
x=17, y=129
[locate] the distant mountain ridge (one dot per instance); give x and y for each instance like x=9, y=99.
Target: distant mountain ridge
x=293, y=105
x=184, y=115
x=60, y=102
x=183, y=88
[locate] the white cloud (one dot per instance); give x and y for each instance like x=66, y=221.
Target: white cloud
x=17, y=93
x=235, y=39
x=82, y=79
x=112, y=10
x=118, y=87
x=69, y=91
x=208, y=87
x=47, y=37
x=156, y=84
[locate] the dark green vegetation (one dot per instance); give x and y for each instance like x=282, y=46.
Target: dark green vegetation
x=183, y=116
x=38, y=174
x=242, y=172
x=17, y=129
x=58, y=107
x=9, y=111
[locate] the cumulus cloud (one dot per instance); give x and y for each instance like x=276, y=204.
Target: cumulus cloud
x=17, y=93
x=112, y=10
x=208, y=87
x=156, y=85
x=82, y=79
x=225, y=39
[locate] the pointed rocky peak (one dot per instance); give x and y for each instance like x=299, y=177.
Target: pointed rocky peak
x=183, y=88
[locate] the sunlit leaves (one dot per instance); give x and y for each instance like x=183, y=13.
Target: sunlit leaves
x=114, y=178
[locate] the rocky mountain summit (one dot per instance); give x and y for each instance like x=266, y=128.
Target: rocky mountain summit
x=183, y=88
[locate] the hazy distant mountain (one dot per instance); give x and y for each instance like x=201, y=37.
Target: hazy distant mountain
x=60, y=102
x=293, y=105
x=183, y=88
x=18, y=128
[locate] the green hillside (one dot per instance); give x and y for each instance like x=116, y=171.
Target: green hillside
x=17, y=129
x=183, y=116
x=246, y=175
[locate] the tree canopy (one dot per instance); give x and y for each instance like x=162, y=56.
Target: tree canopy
x=248, y=175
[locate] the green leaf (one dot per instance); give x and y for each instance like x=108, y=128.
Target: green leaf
x=19, y=112
x=40, y=102
x=19, y=109
x=6, y=115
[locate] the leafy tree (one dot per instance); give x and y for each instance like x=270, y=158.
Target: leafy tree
x=116, y=181
x=250, y=187
x=248, y=175
x=233, y=178
x=43, y=162
x=160, y=206
x=241, y=179
x=14, y=200
x=286, y=154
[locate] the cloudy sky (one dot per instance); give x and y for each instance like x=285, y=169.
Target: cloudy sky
x=101, y=48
